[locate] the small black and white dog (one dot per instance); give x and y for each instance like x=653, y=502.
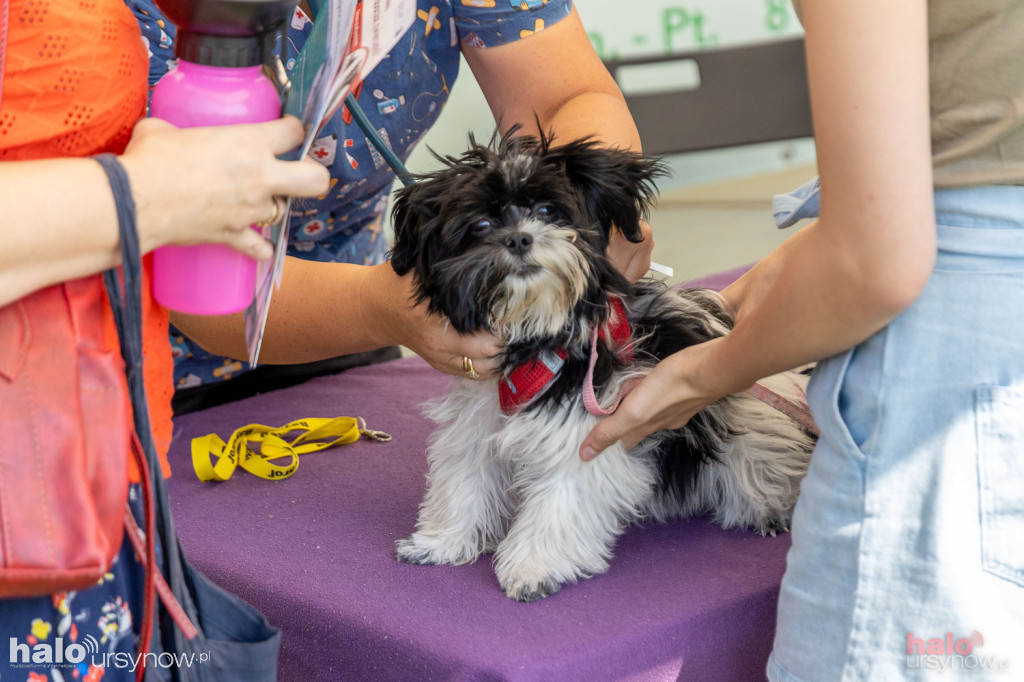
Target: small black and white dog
x=510, y=238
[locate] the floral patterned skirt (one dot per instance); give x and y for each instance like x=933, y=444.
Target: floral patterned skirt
x=88, y=635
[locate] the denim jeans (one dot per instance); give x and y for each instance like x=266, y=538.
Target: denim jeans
x=907, y=559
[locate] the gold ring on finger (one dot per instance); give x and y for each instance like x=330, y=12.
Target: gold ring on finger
x=467, y=367
x=272, y=220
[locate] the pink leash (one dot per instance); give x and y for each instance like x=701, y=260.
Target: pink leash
x=589, y=399
x=797, y=412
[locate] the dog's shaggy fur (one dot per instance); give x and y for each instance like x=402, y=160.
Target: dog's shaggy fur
x=511, y=237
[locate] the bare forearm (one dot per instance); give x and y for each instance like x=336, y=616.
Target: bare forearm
x=58, y=220
x=871, y=252
x=869, y=255
x=59, y=223
x=602, y=115
x=322, y=310
x=746, y=293
x=807, y=302
x=554, y=76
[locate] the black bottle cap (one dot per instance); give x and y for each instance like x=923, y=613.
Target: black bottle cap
x=213, y=50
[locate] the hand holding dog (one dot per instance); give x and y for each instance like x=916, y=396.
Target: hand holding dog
x=432, y=338
x=667, y=398
x=400, y=320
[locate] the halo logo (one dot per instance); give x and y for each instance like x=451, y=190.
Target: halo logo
x=950, y=653
x=61, y=655
x=56, y=653
x=91, y=645
x=944, y=647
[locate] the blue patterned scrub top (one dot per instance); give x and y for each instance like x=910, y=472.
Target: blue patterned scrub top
x=403, y=97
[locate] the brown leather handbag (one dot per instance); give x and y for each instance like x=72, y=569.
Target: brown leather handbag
x=65, y=441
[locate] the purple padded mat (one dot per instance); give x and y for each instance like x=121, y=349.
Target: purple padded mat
x=315, y=552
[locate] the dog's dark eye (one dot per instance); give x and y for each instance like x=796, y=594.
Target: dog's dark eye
x=481, y=227
x=544, y=210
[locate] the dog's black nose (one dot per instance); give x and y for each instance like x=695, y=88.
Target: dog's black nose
x=519, y=243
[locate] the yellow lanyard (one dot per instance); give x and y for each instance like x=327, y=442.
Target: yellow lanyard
x=318, y=434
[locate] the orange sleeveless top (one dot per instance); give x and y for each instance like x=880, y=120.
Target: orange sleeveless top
x=75, y=84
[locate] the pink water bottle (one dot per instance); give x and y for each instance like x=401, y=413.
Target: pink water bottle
x=218, y=81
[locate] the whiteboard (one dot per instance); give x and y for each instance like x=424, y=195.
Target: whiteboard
x=636, y=28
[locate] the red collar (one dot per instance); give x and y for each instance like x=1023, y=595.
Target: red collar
x=527, y=380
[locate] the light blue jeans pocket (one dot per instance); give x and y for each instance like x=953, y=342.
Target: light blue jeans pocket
x=846, y=393
x=1000, y=413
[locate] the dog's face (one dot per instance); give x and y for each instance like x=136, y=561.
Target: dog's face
x=511, y=237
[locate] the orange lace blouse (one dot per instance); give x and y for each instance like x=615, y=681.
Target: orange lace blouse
x=74, y=84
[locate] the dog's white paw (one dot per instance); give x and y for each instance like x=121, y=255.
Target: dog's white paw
x=773, y=524
x=528, y=578
x=529, y=568
x=427, y=550
x=529, y=589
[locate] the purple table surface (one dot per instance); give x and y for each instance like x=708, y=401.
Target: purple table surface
x=315, y=553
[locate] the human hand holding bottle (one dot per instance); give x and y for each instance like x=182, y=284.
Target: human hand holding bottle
x=210, y=185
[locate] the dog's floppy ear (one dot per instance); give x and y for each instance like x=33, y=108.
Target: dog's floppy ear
x=417, y=214
x=413, y=215
x=616, y=184
x=405, y=216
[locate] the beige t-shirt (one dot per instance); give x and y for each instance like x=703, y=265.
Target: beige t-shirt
x=976, y=57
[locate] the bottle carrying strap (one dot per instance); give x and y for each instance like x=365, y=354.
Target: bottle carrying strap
x=125, y=303
x=124, y=289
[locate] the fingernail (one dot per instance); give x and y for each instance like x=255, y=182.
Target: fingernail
x=587, y=453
